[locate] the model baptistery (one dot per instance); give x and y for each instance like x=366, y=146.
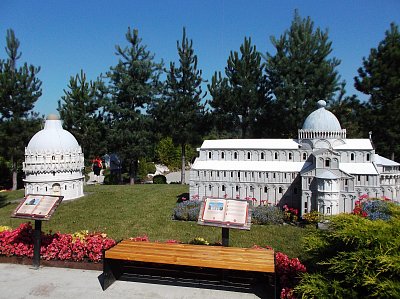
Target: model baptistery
x=54, y=162
x=321, y=170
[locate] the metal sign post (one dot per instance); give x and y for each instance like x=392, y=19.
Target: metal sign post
x=36, y=244
x=225, y=237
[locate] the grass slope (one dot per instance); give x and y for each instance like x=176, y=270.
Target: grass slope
x=130, y=211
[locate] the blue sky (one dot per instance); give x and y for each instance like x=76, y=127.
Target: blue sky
x=63, y=37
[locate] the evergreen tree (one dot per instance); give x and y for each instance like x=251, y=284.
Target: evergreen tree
x=181, y=112
x=379, y=77
x=240, y=99
x=82, y=111
x=134, y=85
x=350, y=112
x=19, y=90
x=300, y=74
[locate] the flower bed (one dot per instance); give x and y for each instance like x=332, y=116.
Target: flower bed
x=65, y=247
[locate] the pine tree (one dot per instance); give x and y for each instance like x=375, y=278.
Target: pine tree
x=379, y=77
x=300, y=74
x=82, y=111
x=134, y=85
x=240, y=99
x=181, y=111
x=350, y=112
x=19, y=90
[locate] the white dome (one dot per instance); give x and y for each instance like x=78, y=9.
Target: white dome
x=53, y=137
x=321, y=120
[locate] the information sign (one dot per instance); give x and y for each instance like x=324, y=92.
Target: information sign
x=224, y=212
x=37, y=207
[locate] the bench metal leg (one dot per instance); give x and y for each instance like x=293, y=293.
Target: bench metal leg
x=111, y=272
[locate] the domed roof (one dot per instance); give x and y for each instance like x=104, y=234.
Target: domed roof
x=321, y=120
x=53, y=137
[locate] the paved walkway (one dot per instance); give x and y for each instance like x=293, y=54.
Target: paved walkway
x=21, y=281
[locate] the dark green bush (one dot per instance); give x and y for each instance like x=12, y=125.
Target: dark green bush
x=267, y=215
x=159, y=179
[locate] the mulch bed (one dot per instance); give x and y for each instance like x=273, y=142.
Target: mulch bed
x=52, y=263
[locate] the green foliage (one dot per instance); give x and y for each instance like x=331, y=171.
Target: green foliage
x=145, y=167
x=379, y=77
x=82, y=114
x=267, y=215
x=19, y=90
x=300, y=73
x=19, y=87
x=159, y=179
x=134, y=84
x=180, y=112
x=240, y=100
x=169, y=154
x=356, y=257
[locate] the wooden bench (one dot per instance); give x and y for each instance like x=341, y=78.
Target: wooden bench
x=175, y=255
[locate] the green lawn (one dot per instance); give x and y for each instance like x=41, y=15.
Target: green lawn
x=130, y=211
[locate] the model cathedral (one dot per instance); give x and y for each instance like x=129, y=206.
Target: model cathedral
x=321, y=170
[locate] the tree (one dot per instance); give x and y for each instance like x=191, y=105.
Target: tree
x=135, y=84
x=82, y=112
x=240, y=99
x=300, y=73
x=19, y=90
x=351, y=113
x=180, y=112
x=379, y=77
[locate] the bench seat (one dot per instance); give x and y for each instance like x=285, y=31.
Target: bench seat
x=199, y=256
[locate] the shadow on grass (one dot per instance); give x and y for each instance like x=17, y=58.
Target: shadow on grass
x=182, y=197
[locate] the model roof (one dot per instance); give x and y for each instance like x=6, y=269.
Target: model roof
x=379, y=160
x=250, y=144
x=277, y=166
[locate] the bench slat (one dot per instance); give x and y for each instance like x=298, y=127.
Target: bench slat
x=194, y=255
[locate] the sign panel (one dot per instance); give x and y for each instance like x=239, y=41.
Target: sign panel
x=229, y=213
x=37, y=206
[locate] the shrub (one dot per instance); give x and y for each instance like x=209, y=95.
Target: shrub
x=144, y=168
x=159, y=179
x=355, y=258
x=267, y=215
x=187, y=210
x=312, y=217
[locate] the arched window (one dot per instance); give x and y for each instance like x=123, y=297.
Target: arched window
x=327, y=163
x=235, y=155
x=368, y=157
x=262, y=156
x=209, y=187
x=276, y=156
x=328, y=210
x=223, y=155
x=62, y=157
x=53, y=158
x=248, y=156
x=352, y=157
x=209, y=155
x=280, y=190
x=304, y=156
x=223, y=188
x=290, y=156
x=65, y=187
